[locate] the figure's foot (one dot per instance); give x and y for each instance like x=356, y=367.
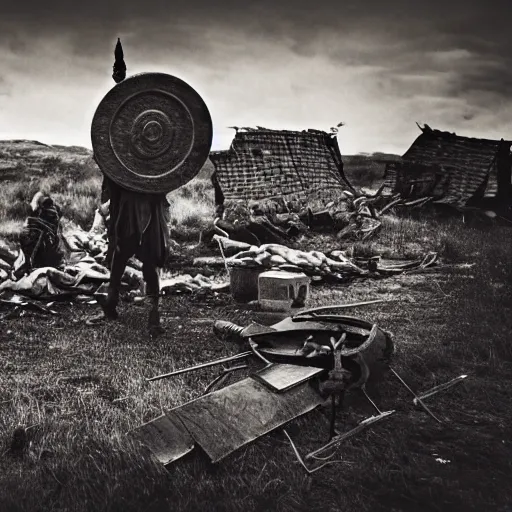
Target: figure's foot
x=154, y=326
x=155, y=331
x=109, y=312
x=102, y=318
x=109, y=307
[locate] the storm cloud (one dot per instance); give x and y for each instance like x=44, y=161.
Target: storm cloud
x=379, y=67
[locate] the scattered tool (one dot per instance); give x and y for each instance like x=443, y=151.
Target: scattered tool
x=313, y=356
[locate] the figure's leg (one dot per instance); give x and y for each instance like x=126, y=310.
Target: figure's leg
x=120, y=258
x=152, y=280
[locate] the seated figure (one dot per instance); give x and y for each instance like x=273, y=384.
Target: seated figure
x=41, y=237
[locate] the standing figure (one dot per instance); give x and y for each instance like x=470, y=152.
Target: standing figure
x=151, y=134
x=138, y=226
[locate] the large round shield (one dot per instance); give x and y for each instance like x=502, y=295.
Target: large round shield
x=151, y=133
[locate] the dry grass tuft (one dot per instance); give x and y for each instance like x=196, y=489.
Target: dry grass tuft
x=77, y=187
x=411, y=237
x=192, y=209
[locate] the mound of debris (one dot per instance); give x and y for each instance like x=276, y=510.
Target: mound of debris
x=335, y=265
x=81, y=272
x=273, y=185
x=352, y=217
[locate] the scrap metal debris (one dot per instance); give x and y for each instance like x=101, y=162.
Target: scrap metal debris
x=223, y=421
x=20, y=305
x=308, y=358
x=436, y=389
x=166, y=437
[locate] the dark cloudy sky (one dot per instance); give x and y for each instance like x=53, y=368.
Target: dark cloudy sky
x=378, y=66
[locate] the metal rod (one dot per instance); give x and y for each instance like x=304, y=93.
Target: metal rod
x=220, y=379
x=363, y=389
x=323, y=459
x=236, y=357
x=301, y=461
x=223, y=376
x=222, y=248
x=415, y=396
x=340, y=306
x=441, y=387
x=337, y=440
x=254, y=348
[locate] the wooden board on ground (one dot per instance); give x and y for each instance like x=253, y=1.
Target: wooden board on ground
x=223, y=421
x=281, y=377
x=209, y=261
x=166, y=437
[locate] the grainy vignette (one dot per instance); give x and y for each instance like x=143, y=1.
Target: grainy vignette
x=77, y=390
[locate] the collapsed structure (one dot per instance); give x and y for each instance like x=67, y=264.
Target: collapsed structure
x=454, y=170
x=294, y=169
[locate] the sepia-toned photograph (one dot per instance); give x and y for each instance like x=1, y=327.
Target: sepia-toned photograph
x=256, y=256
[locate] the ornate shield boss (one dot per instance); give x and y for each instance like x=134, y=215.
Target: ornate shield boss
x=151, y=133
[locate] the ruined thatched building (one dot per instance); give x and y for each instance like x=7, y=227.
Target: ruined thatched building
x=454, y=170
x=292, y=168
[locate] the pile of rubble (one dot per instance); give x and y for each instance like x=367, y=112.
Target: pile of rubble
x=83, y=273
x=358, y=217
x=334, y=265
x=352, y=217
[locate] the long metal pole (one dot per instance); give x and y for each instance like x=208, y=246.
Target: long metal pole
x=340, y=306
x=236, y=357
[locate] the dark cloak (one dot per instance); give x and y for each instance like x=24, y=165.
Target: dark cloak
x=139, y=224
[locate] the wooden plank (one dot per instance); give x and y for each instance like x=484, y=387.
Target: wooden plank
x=166, y=437
x=209, y=261
x=281, y=377
x=223, y=421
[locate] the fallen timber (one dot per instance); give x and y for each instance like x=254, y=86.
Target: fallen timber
x=309, y=358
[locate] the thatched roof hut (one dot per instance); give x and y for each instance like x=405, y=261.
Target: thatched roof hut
x=455, y=170
x=294, y=167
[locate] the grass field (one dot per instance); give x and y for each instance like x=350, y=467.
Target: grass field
x=78, y=390
x=63, y=381
x=72, y=177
